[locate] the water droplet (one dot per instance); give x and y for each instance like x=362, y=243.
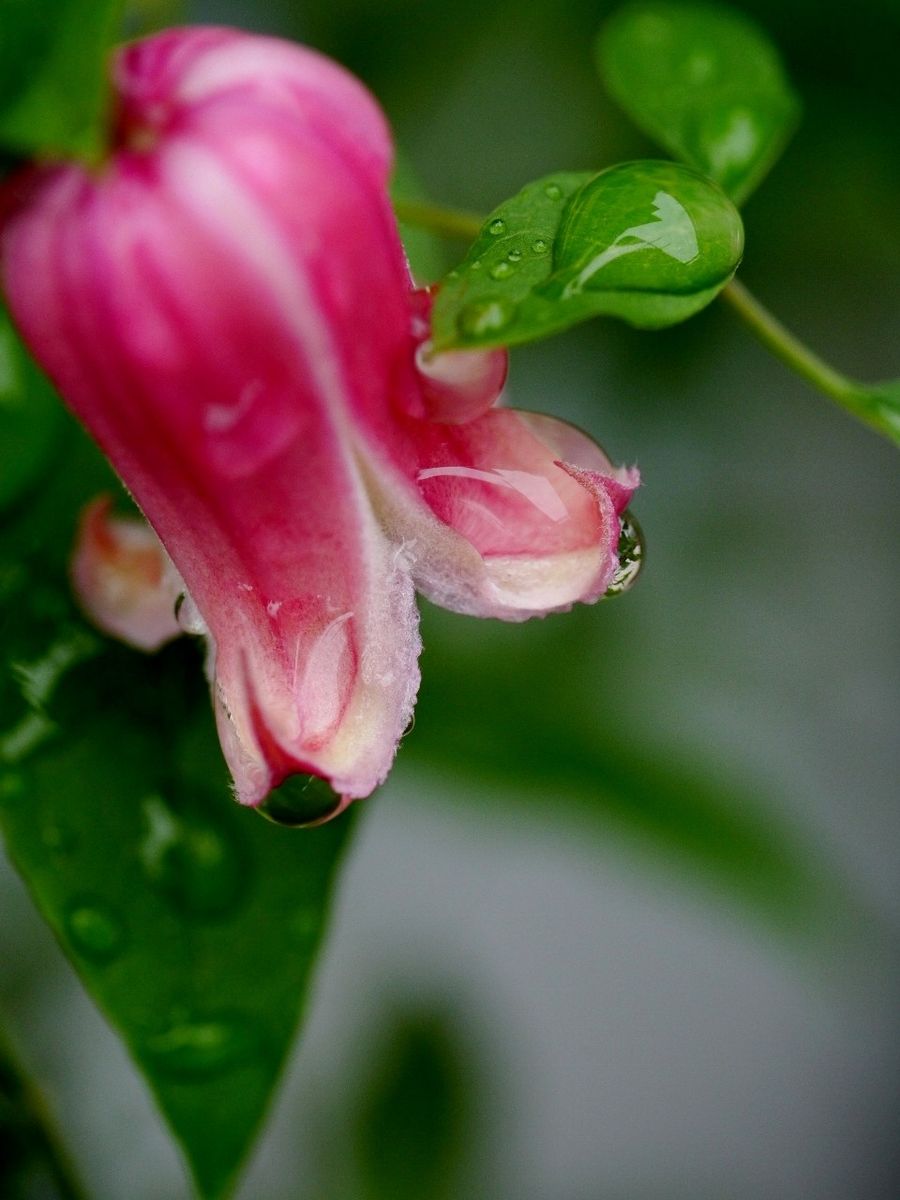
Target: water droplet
x=502, y=270
x=553, y=191
x=631, y=556
x=95, y=930
x=486, y=316
x=540, y=246
x=496, y=227
x=514, y=256
x=194, y=1050
x=191, y=861
x=300, y=801
x=475, y=264
x=12, y=787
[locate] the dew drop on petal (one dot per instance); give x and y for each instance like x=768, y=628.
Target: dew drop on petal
x=193, y=1050
x=300, y=801
x=631, y=556
x=95, y=930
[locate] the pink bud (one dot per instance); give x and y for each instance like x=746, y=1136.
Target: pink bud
x=226, y=306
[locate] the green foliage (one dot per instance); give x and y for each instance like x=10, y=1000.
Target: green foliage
x=649, y=242
x=193, y=923
x=30, y=418
x=53, y=75
x=705, y=83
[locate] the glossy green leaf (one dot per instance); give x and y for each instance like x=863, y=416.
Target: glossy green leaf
x=649, y=242
x=193, y=923
x=53, y=75
x=31, y=418
x=705, y=83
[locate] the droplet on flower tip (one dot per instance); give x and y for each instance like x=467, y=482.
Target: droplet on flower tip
x=631, y=556
x=190, y=861
x=486, y=316
x=496, y=227
x=194, y=1050
x=300, y=801
x=95, y=930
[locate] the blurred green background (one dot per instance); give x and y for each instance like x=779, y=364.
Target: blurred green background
x=623, y=924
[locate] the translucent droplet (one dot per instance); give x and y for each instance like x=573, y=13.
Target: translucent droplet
x=95, y=930
x=514, y=256
x=553, y=191
x=486, y=316
x=12, y=787
x=631, y=556
x=502, y=270
x=300, y=801
x=194, y=1050
x=540, y=246
x=475, y=264
x=496, y=227
x=196, y=866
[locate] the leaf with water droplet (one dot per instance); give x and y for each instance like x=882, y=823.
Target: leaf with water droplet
x=649, y=242
x=178, y=908
x=704, y=82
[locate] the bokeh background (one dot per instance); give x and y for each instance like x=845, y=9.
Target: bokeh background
x=623, y=925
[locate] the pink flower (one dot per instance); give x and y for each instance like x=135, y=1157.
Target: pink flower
x=226, y=306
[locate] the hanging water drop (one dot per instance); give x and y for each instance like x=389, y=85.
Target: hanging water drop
x=300, y=801
x=496, y=227
x=631, y=556
x=95, y=930
x=194, y=1050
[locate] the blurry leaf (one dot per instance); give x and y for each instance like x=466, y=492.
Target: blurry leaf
x=883, y=400
x=545, y=746
x=31, y=417
x=53, y=75
x=413, y=1123
x=705, y=83
x=193, y=923
x=424, y=250
x=650, y=242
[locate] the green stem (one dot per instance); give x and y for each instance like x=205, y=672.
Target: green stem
x=873, y=406
x=31, y=1127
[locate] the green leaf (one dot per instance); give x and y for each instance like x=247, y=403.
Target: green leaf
x=53, y=75
x=31, y=417
x=649, y=242
x=193, y=923
x=705, y=83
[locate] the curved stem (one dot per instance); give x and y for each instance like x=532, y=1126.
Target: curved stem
x=33, y=1128
x=877, y=407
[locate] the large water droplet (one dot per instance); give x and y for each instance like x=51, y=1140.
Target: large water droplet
x=300, y=801
x=502, y=270
x=194, y=1050
x=631, y=556
x=553, y=191
x=486, y=316
x=95, y=930
x=496, y=227
x=191, y=861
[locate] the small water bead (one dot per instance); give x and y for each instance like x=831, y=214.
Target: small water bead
x=502, y=270
x=631, y=556
x=514, y=256
x=195, y=1050
x=195, y=865
x=300, y=801
x=95, y=930
x=540, y=246
x=496, y=227
x=487, y=316
x=553, y=191
x=475, y=265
